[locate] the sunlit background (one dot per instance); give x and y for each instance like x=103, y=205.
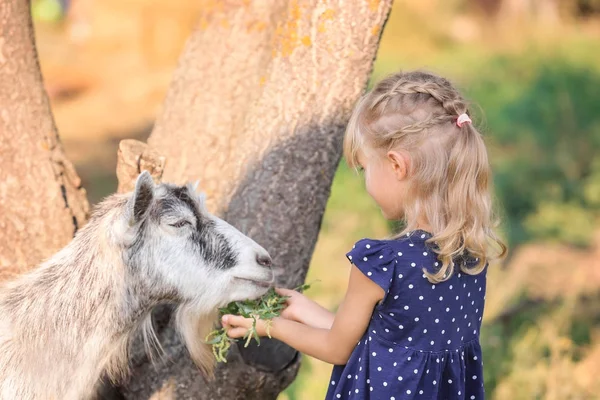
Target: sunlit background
x=532, y=70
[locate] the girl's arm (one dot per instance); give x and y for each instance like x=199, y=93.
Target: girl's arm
x=306, y=311
x=332, y=345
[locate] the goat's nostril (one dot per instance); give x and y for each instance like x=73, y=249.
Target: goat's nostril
x=263, y=260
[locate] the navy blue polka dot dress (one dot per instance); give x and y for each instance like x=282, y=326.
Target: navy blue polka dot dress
x=423, y=339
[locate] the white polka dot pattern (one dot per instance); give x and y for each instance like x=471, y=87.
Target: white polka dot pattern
x=423, y=337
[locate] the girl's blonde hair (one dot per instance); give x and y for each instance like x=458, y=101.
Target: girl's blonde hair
x=449, y=169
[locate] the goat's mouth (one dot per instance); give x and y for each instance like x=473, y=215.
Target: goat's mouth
x=264, y=284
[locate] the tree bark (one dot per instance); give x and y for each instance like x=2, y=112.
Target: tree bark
x=133, y=157
x=256, y=111
x=42, y=202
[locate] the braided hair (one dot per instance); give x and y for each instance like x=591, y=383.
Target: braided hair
x=449, y=171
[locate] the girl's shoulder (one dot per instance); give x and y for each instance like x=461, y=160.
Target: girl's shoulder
x=412, y=243
x=378, y=259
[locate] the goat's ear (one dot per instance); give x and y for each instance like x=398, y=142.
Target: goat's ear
x=142, y=196
x=193, y=186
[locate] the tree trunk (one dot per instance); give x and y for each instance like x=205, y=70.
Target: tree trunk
x=256, y=111
x=41, y=200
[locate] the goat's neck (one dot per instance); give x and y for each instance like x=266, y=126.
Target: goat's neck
x=72, y=314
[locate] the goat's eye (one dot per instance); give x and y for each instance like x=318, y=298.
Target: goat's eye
x=180, y=224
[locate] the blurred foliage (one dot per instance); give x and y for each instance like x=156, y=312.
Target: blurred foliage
x=547, y=351
x=584, y=8
x=543, y=116
x=47, y=10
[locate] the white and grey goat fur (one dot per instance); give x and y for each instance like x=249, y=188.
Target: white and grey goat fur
x=70, y=320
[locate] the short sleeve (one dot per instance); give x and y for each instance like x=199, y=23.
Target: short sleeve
x=375, y=259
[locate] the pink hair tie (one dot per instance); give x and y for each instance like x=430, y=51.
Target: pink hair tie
x=462, y=118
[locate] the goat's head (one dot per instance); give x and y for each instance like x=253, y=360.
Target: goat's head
x=175, y=249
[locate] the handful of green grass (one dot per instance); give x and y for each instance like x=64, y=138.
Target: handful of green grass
x=267, y=307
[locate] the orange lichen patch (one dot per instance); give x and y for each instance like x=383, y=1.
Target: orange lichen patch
x=202, y=24
x=256, y=26
x=327, y=15
x=224, y=23
x=286, y=34
x=306, y=41
x=217, y=11
x=375, y=30
x=373, y=5
x=295, y=12
x=214, y=6
x=262, y=80
x=209, y=8
x=45, y=145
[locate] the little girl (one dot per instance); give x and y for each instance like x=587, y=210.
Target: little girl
x=408, y=327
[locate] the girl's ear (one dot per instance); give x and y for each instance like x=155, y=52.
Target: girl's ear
x=399, y=162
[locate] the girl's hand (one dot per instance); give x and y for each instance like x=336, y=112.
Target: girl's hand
x=304, y=310
x=297, y=304
x=331, y=342
x=238, y=326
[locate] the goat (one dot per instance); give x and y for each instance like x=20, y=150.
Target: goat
x=71, y=320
